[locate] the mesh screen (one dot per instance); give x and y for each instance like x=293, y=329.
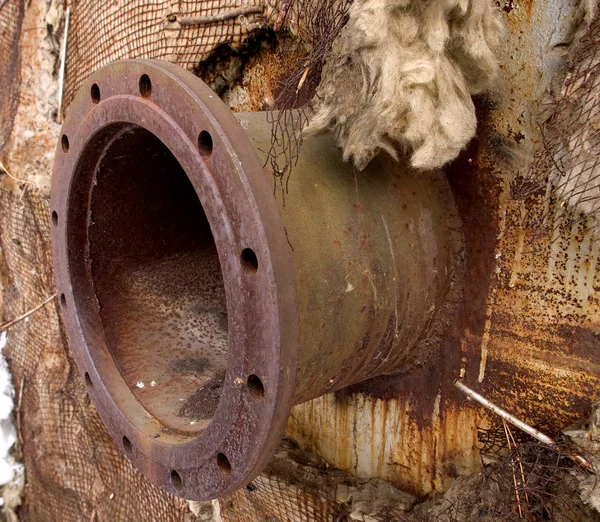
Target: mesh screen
x=11, y=17
x=566, y=174
x=102, y=32
x=271, y=498
x=74, y=471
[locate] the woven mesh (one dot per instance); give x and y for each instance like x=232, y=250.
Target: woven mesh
x=11, y=18
x=74, y=471
x=102, y=32
x=566, y=173
x=271, y=498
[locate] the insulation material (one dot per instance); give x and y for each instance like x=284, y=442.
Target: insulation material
x=401, y=75
x=29, y=152
x=300, y=487
x=587, y=437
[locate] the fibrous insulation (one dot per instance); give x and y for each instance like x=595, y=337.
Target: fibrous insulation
x=400, y=78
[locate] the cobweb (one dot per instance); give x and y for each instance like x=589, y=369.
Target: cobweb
x=320, y=21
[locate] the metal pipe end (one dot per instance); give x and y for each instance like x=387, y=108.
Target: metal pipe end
x=175, y=278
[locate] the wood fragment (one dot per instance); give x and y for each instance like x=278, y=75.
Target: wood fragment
x=518, y=457
x=303, y=79
x=512, y=465
x=12, y=322
x=220, y=17
x=63, y=65
x=283, y=11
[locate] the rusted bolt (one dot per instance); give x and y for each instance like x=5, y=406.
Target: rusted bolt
x=199, y=308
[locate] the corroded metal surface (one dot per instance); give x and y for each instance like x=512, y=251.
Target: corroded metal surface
x=528, y=335
x=377, y=261
x=200, y=307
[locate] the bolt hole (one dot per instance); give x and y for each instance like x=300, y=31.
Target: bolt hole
x=88, y=380
x=176, y=481
x=64, y=142
x=145, y=86
x=95, y=93
x=255, y=386
x=205, y=143
x=54, y=217
x=63, y=300
x=127, y=444
x=223, y=463
x=249, y=260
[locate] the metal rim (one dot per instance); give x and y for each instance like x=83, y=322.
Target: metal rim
x=232, y=187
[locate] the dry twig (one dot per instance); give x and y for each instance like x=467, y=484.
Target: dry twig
x=221, y=17
x=63, y=65
x=523, y=482
x=530, y=430
x=12, y=322
x=513, y=471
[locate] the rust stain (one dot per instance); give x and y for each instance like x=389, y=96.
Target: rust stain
x=528, y=335
x=262, y=74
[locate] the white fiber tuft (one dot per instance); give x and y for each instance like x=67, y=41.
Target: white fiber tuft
x=400, y=77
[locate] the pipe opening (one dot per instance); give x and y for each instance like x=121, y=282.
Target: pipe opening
x=158, y=281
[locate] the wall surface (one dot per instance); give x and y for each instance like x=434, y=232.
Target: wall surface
x=527, y=337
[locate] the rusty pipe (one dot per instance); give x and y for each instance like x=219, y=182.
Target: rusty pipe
x=199, y=306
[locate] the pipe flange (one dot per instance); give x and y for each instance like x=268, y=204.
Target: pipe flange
x=139, y=118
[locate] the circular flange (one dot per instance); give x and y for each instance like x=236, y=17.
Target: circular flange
x=159, y=116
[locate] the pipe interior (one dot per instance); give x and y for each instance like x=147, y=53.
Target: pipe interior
x=158, y=281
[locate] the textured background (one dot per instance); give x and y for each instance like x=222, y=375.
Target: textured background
x=527, y=338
